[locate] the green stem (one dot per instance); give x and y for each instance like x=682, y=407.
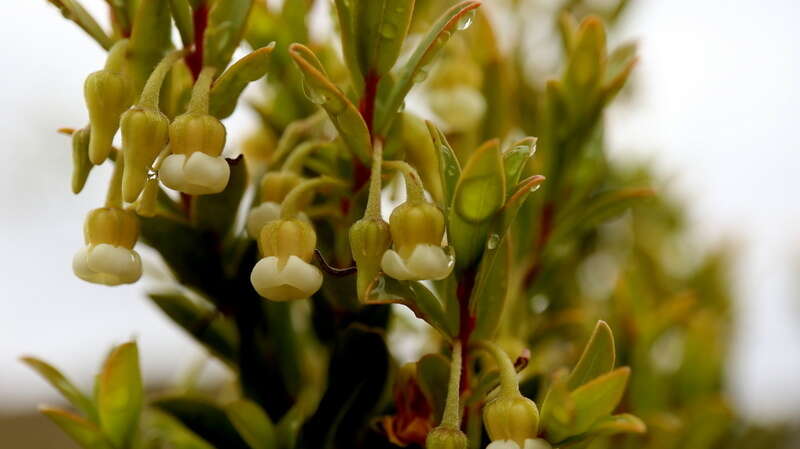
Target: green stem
x=115, y=61
x=452, y=408
x=414, y=191
x=293, y=133
x=294, y=162
x=290, y=205
x=152, y=88
x=114, y=194
x=509, y=385
x=201, y=91
x=373, y=209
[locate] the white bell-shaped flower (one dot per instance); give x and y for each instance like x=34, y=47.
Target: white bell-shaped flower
x=260, y=216
x=296, y=279
x=107, y=264
x=285, y=272
x=425, y=262
x=196, y=174
x=530, y=443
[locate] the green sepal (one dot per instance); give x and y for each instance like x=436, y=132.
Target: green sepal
x=214, y=332
x=74, y=11
x=229, y=86
x=120, y=394
x=86, y=434
x=203, y=417
x=68, y=390
x=227, y=21
x=81, y=165
x=420, y=60
x=252, y=423
x=344, y=115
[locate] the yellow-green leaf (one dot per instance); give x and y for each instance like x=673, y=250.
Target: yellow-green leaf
x=229, y=86
x=342, y=112
x=252, y=423
x=381, y=29
x=481, y=189
x=598, y=398
x=182, y=14
x=226, y=26
x=82, y=431
x=71, y=393
x=150, y=39
x=449, y=168
x=615, y=424
x=119, y=394
x=597, y=359
x=74, y=11
x=516, y=157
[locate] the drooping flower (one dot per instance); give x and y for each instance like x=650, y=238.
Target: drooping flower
x=196, y=166
x=417, y=230
x=285, y=272
x=108, y=257
x=530, y=443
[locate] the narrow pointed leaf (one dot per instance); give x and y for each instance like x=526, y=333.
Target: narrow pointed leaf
x=415, y=296
x=616, y=424
x=253, y=424
x=381, y=29
x=230, y=85
x=71, y=393
x=491, y=287
x=340, y=110
x=516, y=157
x=182, y=14
x=598, y=398
x=347, y=30
x=481, y=189
x=423, y=55
x=74, y=11
x=82, y=431
x=120, y=395
x=449, y=168
x=597, y=359
x=150, y=39
x=204, y=418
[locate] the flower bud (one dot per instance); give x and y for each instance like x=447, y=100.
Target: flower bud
x=192, y=132
x=277, y=184
x=108, y=257
x=284, y=273
x=511, y=417
x=107, y=96
x=81, y=165
x=369, y=239
x=444, y=437
x=145, y=132
x=417, y=230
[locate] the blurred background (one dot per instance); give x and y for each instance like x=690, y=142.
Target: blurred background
x=713, y=112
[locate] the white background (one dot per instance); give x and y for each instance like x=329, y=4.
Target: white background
x=717, y=115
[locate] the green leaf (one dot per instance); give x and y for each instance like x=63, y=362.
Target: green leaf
x=357, y=378
x=415, y=296
x=516, y=157
x=449, y=168
x=71, y=393
x=558, y=411
x=150, y=39
x=433, y=374
x=218, y=335
x=230, y=85
x=616, y=424
x=342, y=112
x=172, y=433
x=587, y=61
x=347, y=31
x=120, y=395
x=81, y=165
x=74, y=11
x=597, y=359
x=381, y=29
x=204, y=418
x=253, y=424
x=598, y=398
x=226, y=25
x=182, y=14
x=481, y=189
x=82, y=431
x=516, y=200
x=491, y=287
x=217, y=212
x=416, y=68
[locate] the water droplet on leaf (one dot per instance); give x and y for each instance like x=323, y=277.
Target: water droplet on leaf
x=314, y=95
x=493, y=240
x=466, y=20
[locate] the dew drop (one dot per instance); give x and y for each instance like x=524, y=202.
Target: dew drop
x=535, y=188
x=466, y=20
x=493, y=240
x=313, y=94
x=421, y=75
x=402, y=107
x=389, y=31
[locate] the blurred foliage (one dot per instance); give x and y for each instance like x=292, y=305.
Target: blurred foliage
x=548, y=252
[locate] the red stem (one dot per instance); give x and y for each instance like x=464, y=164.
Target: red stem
x=366, y=107
x=195, y=58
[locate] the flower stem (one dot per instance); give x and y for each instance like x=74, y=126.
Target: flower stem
x=294, y=162
x=509, y=385
x=114, y=194
x=414, y=191
x=152, y=88
x=452, y=408
x=373, y=209
x=290, y=205
x=201, y=91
